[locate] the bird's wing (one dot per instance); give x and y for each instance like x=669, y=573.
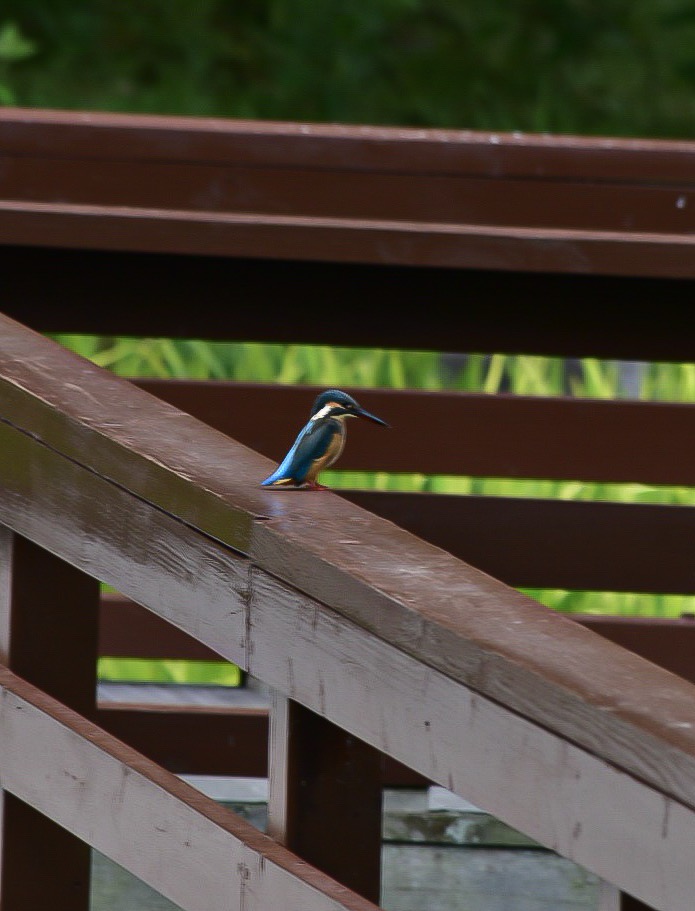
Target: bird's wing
x=310, y=446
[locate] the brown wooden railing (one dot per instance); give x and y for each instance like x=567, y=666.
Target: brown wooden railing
x=293, y=233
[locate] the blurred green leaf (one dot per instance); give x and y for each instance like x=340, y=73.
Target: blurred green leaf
x=14, y=46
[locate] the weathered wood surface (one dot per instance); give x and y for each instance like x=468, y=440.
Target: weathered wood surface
x=181, y=843
x=48, y=635
x=248, y=571
x=325, y=799
x=128, y=630
x=234, y=740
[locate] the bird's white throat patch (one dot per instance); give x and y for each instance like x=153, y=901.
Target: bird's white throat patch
x=326, y=410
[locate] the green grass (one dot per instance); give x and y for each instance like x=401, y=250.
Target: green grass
x=521, y=375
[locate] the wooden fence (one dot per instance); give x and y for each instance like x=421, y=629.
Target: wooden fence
x=285, y=232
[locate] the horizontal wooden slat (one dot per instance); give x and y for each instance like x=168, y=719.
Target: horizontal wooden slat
x=409, y=190
x=127, y=630
x=66, y=134
x=481, y=435
x=320, y=192
x=348, y=240
x=200, y=741
x=196, y=739
x=169, y=512
x=207, y=859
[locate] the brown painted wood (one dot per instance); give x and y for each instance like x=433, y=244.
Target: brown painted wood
x=474, y=746
x=668, y=642
x=197, y=741
x=128, y=630
x=486, y=435
x=200, y=741
x=450, y=616
x=346, y=192
x=92, y=135
x=375, y=176
x=183, y=844
x=48, y=634
x=356, y=240
x=326, y=806
x=317, y=575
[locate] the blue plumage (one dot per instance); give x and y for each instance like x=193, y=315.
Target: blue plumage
x=320, y=441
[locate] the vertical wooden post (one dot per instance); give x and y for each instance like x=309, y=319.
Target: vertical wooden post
x=325, y=796
x=48, y=635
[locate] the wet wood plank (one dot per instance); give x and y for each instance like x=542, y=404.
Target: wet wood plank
x=535, y=543
x=181, y=843
x=520, y=670
x=447, y=614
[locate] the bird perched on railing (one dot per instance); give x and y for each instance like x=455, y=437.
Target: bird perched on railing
x=320, y=441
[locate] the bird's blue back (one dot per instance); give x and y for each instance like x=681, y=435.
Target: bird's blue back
x=311, y=444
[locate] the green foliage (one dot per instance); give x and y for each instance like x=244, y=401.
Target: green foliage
x=618, y=67
x=13, y=48
x=142, y=670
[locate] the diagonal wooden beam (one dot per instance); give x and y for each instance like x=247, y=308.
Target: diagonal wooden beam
x=207, y=858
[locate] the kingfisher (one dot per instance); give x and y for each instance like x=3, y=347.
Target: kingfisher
x=320, y=441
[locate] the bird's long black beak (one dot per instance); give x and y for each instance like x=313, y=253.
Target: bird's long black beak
x=360, y=412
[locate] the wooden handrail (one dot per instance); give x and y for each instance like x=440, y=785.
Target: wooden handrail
x=429, y=660
x=160, y=219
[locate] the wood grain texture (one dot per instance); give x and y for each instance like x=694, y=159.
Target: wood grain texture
x=48, y=634
x=181, y=843
x=562, y=796
x=446, y=614
x=442, y=623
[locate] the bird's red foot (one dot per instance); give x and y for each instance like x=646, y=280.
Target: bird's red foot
x=314, y=485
